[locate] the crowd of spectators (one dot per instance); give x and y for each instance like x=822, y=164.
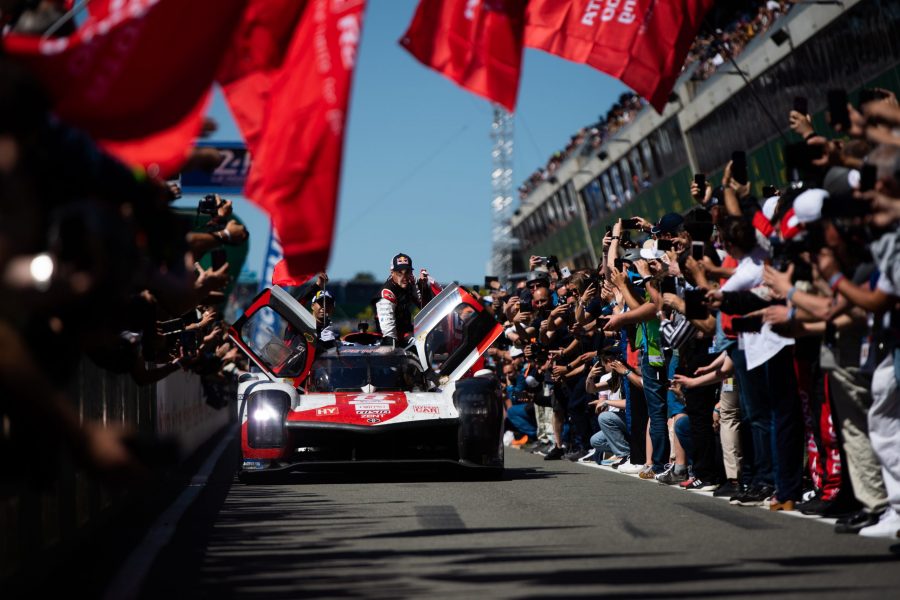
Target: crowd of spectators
x=95, y=265
x=748, y=347
x=727, y=35
x=714, y=48
x=587, y=139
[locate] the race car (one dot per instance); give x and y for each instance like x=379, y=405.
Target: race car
x=360, y=403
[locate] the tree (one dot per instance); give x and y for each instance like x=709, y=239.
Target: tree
x=364, y=276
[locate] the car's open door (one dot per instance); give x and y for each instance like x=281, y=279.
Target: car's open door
x=453, y=331
x=278, y=334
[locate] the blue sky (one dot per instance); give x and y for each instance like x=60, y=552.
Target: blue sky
x=417, y=154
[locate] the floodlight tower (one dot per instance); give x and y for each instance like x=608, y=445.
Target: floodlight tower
x=502, y=242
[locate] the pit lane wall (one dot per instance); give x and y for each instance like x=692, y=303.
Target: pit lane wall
x=39, y=527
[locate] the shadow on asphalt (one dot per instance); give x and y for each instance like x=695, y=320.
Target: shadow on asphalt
x=395, y=474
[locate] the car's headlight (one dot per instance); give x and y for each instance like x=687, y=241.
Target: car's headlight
x=267, y=410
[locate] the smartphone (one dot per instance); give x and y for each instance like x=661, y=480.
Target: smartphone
x=218, y=258
x=801, y=105
x=746, y=324
x=630, y=224
x=608, y=230
x=695, y=306
x=697, y=250
x=188, y=342
x=668, y=286
x=700, y=180
x=838, y=116
x=867, y=177
x=525, y=307
x=739, y=166
x=619, y=264
x=663, y=245
x=565, y=272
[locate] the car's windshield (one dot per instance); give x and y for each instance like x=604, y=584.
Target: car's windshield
x=346, y=373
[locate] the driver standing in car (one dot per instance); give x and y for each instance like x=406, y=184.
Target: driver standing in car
x=398, y=297
x=322, y=307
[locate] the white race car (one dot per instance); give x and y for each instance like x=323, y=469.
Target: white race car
x=358, y=403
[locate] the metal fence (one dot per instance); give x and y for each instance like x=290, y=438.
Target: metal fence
x=35, y=523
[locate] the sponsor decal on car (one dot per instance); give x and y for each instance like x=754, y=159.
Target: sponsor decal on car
x=427, y=410
x=327, y=411
x=373, y=420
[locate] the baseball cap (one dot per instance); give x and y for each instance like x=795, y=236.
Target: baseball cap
x=321, y=295
x=401, y=261
x=669, y=223
x=538, y=276
x=808, y=205
x=841, y=181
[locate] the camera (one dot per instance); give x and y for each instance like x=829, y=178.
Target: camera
x=208, y=205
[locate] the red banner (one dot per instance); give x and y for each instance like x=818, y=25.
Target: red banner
x=475, y=43
x=643, y=43
x=135, y=72
x=297, y=164
x=257, y=52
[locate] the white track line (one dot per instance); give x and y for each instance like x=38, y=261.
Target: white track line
x=130, y=577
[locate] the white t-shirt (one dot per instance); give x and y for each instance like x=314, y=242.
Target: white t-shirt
x=758, y=347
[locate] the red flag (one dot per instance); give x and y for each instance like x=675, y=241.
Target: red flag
x=643, y=43
x=297, y=164
x=135, y=71
x=281, y=276
x=475, y=43
x=164, y=153
x=256, y=54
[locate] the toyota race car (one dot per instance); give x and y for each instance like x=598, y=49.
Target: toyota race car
x=367, y=402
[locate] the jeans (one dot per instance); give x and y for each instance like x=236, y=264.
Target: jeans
x=756, y=417
x=787, y=423
x=612, y=435
x=683, y=433
x=521, y=417
x=655, y=394
x=636, y=417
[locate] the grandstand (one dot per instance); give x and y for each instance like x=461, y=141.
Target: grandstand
x=646, y=167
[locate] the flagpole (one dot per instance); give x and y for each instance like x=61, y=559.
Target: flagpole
x=76, y=8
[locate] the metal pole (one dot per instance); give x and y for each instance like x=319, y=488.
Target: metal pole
x=76, y=8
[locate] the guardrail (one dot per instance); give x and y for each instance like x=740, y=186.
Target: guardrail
x=35, y=524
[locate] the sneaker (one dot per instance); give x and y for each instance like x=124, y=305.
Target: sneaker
x=518, y=443
x=730, y=488
x=574, y=454
x=888, y=526
x=757, y=495
x=698, y=485
x=608, y=462
x=670, y=477
x=630, y=468
x=857, y=521
x=588, y=457
x=557, y=453
x=684, y=484
x=622, y=461
x=543, y=448
x=813, y=506
x=647, y=473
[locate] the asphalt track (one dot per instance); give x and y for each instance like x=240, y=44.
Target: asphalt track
x=548, y=530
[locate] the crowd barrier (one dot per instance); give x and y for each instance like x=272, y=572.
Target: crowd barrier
x=36, y=524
